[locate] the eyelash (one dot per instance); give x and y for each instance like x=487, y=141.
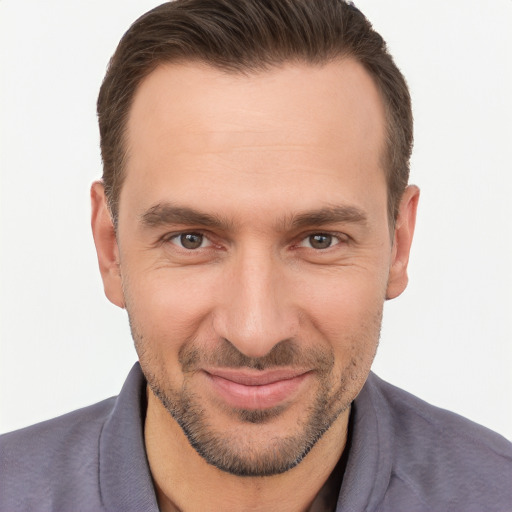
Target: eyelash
x=341, y=238
x=170, y=237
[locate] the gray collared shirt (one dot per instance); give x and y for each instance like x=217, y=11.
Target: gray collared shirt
x=405, y=455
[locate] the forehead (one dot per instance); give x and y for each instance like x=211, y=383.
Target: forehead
x=290, y=127
x=182, y=97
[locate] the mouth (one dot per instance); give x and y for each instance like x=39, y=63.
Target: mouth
x=253, y=389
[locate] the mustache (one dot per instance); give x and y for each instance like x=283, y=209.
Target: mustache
x=287, y=353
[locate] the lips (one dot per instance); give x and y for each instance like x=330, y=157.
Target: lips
x=252, y=389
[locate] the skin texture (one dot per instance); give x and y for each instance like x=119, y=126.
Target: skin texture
x=276, y=177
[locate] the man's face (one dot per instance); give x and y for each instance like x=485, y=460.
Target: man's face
x=255, y=252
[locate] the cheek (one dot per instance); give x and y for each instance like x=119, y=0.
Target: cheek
x=167, y=307
x=346, y=308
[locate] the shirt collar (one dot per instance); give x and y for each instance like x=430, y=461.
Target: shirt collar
x=368, y=470
x=124, y=476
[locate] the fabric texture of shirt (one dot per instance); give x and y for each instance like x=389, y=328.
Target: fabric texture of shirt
x=405, y=455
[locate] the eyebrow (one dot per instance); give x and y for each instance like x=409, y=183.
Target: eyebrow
x=329, y=215
x=167, y=214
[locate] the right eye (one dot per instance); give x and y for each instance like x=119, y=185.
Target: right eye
x=190, y=241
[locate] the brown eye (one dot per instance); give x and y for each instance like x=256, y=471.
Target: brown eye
x=320, y=241
x=190, y=241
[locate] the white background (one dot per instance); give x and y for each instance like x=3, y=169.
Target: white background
x=448, y=339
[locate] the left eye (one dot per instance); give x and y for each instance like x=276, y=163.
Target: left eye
x=190, y=241
x=319, y=241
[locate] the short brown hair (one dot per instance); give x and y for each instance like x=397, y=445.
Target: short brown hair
x=241, y=36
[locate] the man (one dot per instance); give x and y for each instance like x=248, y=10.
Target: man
x=253, y=217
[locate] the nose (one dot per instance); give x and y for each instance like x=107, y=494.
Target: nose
x=256, y=309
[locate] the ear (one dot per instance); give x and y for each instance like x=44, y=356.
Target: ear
x=106, y=245
x=402, y=240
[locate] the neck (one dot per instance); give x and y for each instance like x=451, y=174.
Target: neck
x=184, y=481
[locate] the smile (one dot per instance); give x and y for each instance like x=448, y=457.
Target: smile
x=245, y=389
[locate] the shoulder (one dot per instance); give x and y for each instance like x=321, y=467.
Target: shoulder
x=413, y=417
x=61, y=453
x=445, y=460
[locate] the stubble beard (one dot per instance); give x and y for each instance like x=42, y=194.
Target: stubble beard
x=238, y=454
x=233, y=450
